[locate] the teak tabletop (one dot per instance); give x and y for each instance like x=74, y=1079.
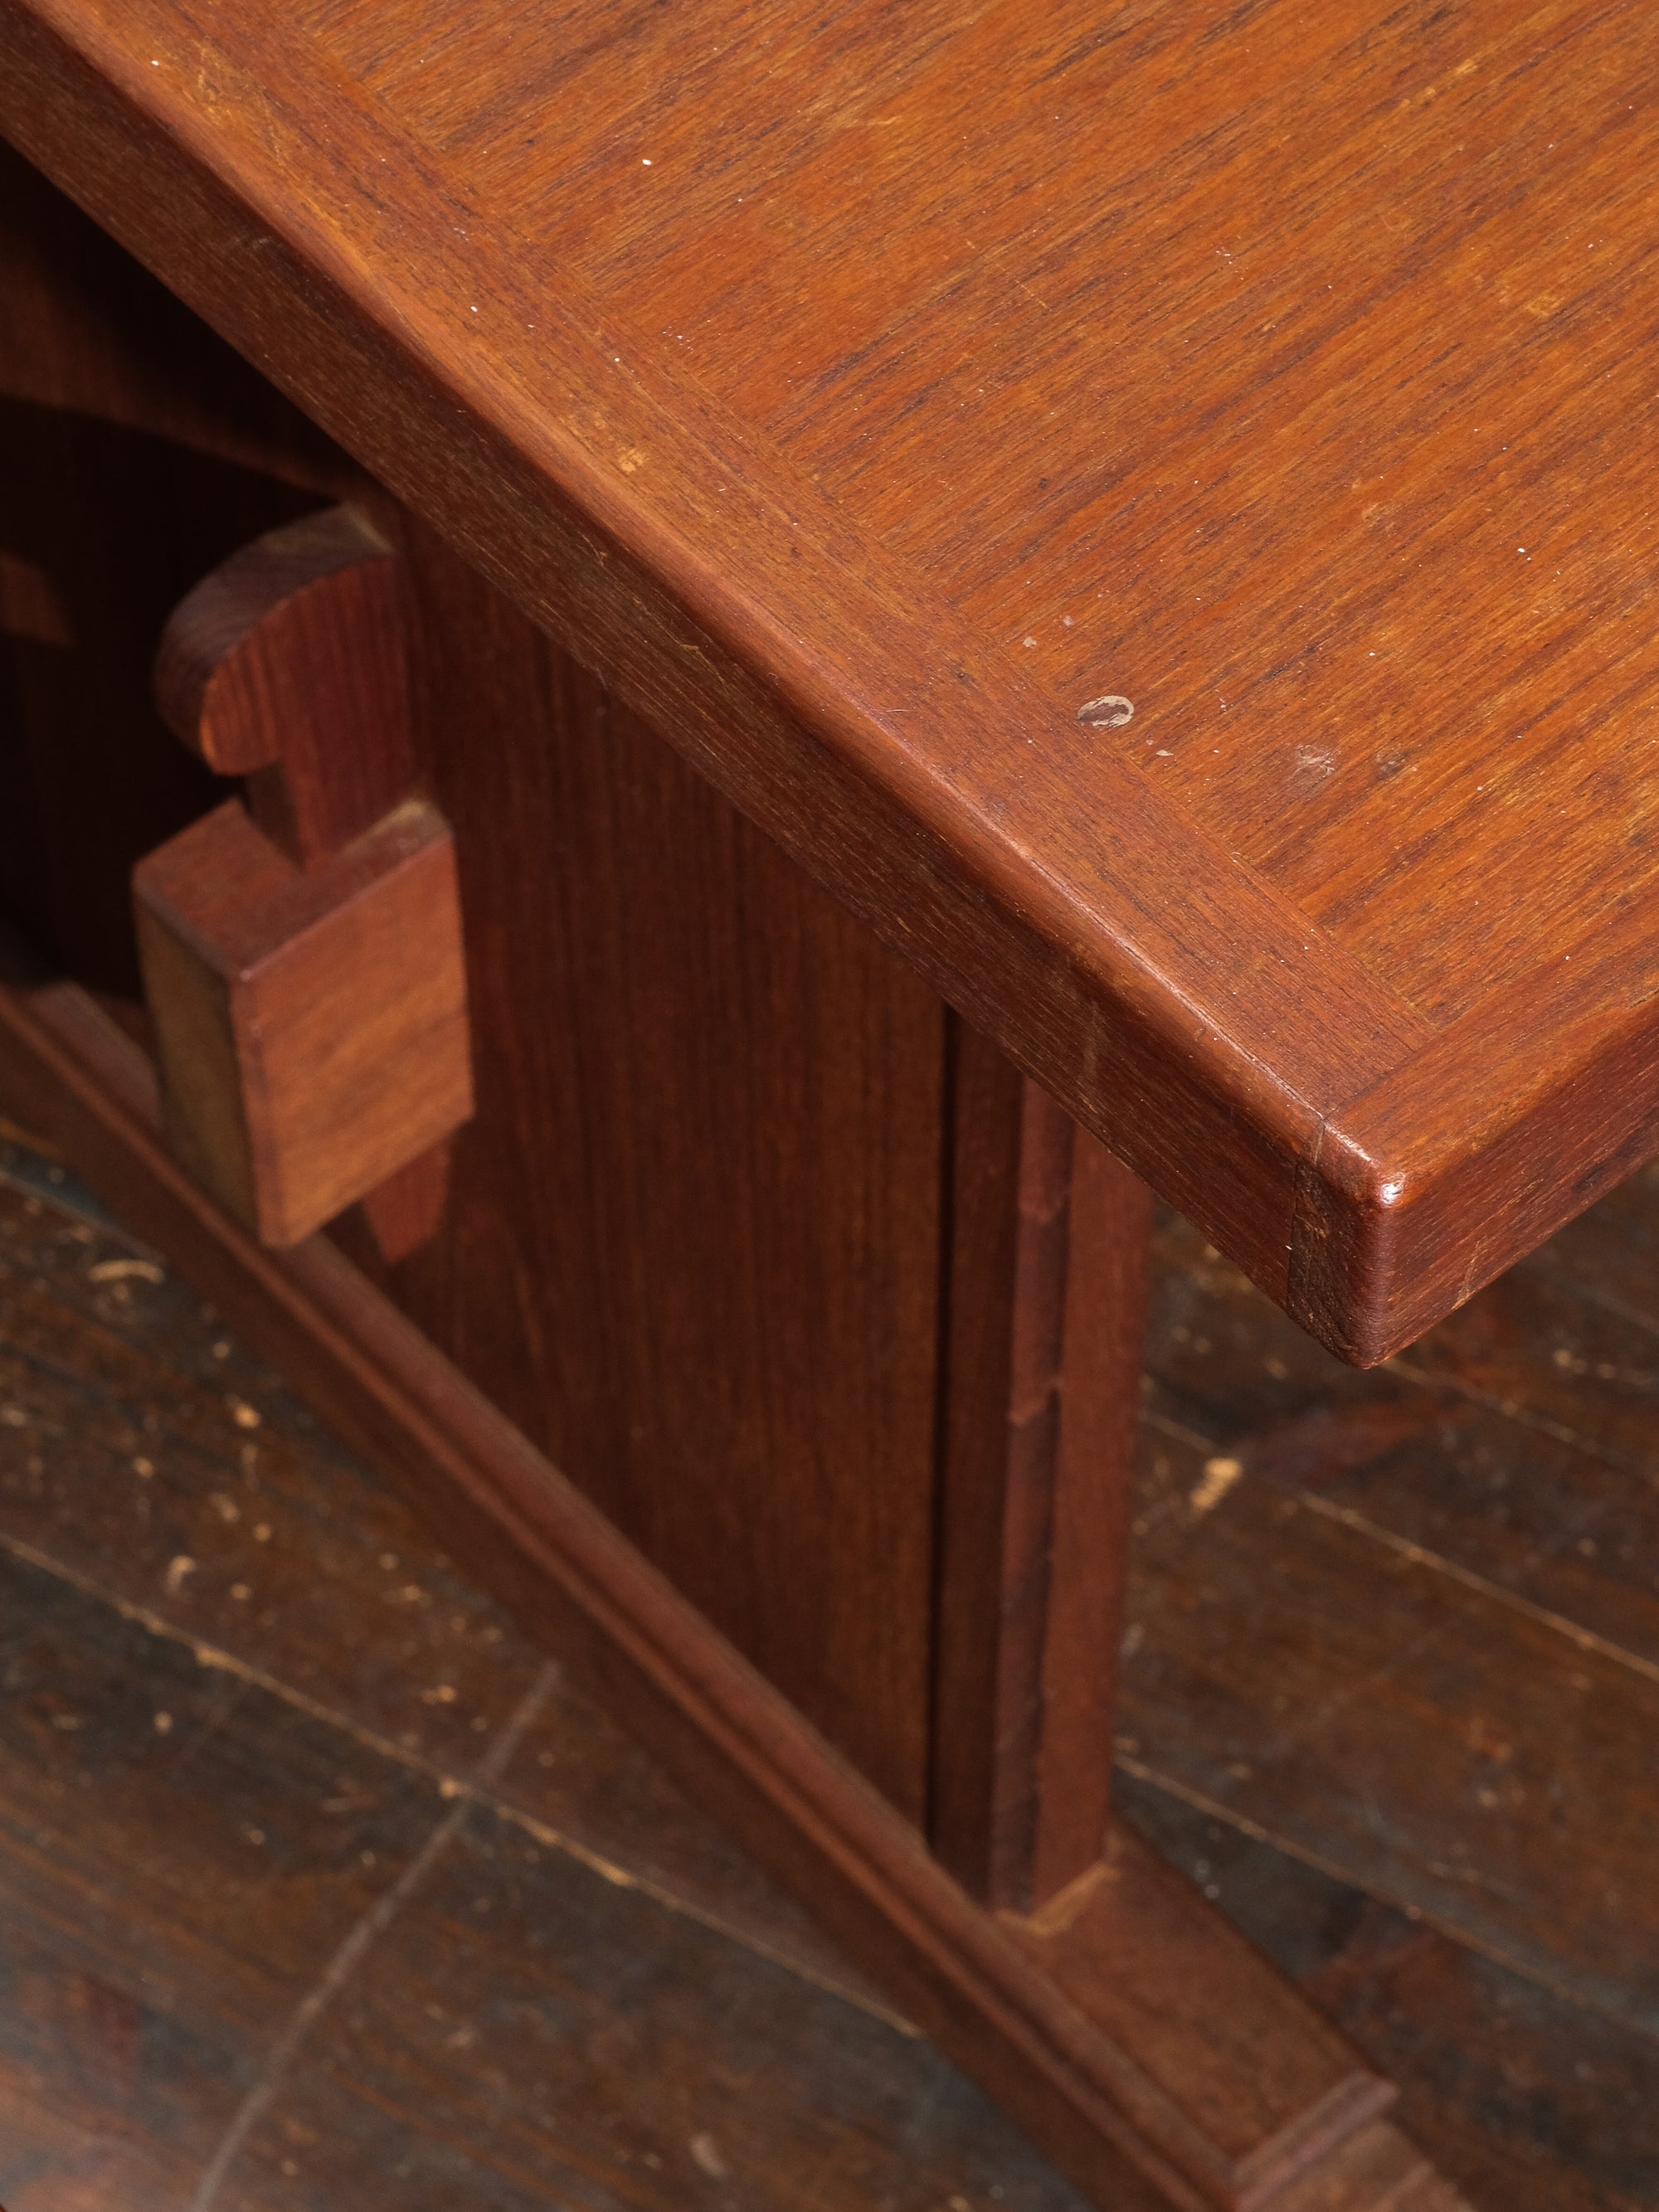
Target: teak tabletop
x=1150, y=503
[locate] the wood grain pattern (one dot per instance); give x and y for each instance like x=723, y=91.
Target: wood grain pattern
x=587, y=2044
x=1463, y=1618
x=137, y=1434
x=694, y=1223
x=310, y=1025
x=1130, y=2132
x=132, y=1443
x=1136, y=1945
x=817, y=443
x=523, y=2028
x=1044, y=1317
x=1442, y=1186
x=1168, y=2120
x=289, y=665
x=1454, y=1714
x=1525, y=2098
x=1106, y=1290
x=994, y=1499
x=205, y=1945
x=710, y=1065
x=925, y=888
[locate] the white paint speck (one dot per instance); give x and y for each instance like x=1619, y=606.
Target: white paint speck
x=706, y=2151
x=1220, y=1476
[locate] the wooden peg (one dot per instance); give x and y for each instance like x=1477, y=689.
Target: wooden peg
x=302, y=952
x=310, y=1025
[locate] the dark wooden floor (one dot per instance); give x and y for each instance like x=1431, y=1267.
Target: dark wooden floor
x=318, y=1889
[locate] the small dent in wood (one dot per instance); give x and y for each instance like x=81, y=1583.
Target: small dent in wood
x=1111, y=712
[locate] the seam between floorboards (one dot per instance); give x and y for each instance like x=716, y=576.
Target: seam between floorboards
x=1512, y=1409
x=1586, y=1639
x=1605, y=1301
x=1581, y=1639
x=470, y=1791
x=1419, y=1915
x=279, y=2059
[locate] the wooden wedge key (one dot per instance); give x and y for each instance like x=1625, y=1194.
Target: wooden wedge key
x=301, y=951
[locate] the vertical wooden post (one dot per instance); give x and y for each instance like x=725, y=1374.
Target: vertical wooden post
x=1043, y=1316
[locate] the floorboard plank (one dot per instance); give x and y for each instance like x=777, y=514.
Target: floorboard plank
x=1529, y=2103
x=180, y=1854
x=1408, y=1621
x=531, y=2035
x=144, y=1454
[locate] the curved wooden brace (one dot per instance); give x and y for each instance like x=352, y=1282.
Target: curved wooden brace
x=288, y=664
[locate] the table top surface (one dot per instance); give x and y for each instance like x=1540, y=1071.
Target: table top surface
x=877, y=391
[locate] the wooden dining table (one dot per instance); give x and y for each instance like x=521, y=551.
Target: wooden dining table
x=698, y=686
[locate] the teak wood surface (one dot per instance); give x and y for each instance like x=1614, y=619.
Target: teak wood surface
x=864, y=393
x=311, y=1026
